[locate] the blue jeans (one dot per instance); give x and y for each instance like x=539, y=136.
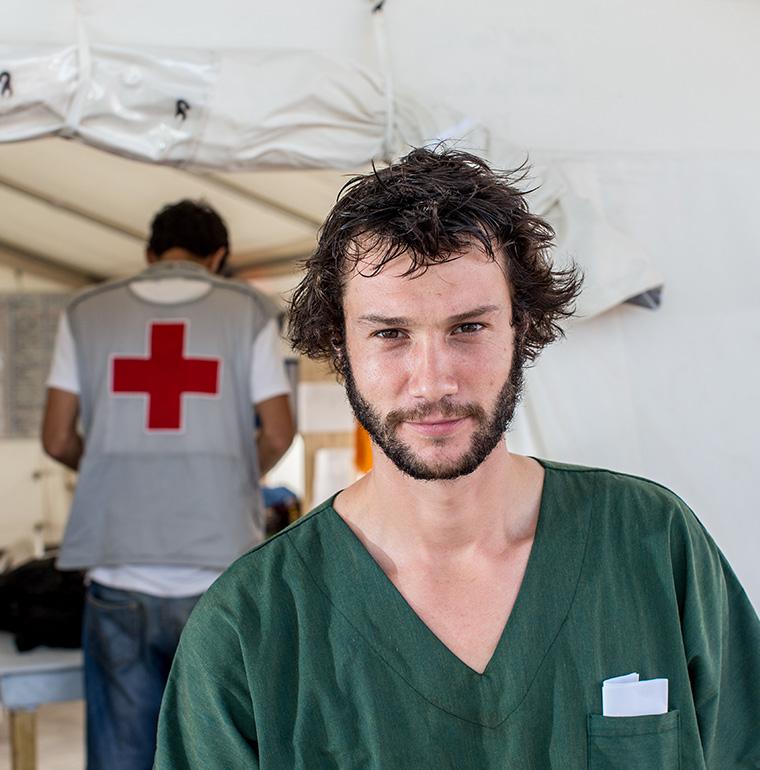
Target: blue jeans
x=129, y=640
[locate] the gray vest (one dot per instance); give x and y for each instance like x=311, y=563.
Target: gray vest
x=170, y=473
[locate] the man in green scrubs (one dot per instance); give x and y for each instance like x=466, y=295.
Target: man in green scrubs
x=460, y=606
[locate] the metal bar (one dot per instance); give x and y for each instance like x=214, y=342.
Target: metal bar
x=69, y=208
x=257, y=198
x=274, y=266
x=278, y=258
x=19, y=258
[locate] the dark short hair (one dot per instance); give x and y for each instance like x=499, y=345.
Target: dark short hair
x=191, y=225
x=431, y=206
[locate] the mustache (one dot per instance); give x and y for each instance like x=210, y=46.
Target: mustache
x=444, y=408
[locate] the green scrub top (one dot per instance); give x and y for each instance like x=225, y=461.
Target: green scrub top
x=304, y=654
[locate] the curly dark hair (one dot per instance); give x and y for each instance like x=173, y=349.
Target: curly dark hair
x=191, y=225
x=431, y=206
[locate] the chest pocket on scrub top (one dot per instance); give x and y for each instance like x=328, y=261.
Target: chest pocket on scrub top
x=634, y=743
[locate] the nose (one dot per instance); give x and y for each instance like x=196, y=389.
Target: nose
x=431, y=371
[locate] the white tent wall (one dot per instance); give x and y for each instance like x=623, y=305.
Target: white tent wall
x=647, y=110
x=32, y=487
x=35, y=493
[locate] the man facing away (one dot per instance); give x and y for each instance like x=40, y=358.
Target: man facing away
x=460, y=606
x=167, y=373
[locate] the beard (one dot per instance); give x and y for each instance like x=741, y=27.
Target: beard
x=489, y=431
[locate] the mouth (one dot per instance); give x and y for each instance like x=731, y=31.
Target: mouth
x=437, y=427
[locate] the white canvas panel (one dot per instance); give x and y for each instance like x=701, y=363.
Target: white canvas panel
x=615, y=268
x=291, y=108
x=40, y=22
x=327, y=25
x=221, y=110
x=589, y=75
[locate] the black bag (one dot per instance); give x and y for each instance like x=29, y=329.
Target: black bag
x=41, y=605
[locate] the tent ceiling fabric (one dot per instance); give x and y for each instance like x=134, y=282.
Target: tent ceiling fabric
x=96, y=206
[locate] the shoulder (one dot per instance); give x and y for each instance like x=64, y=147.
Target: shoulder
x=640, y=525
x=287, y=545
x=278, y=574
x=246, y=292
x=629, y=507
x=95, y=292
x=618, y=491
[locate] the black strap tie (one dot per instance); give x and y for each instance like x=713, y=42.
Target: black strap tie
x=182, y=108
x=378, y=6
x=5, y=84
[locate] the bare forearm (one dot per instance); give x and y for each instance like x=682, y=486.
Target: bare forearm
x=70, y=452
x=60, y=436
x=276, y=431
x=269, y=454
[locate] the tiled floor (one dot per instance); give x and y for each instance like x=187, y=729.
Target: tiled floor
x=60, y=737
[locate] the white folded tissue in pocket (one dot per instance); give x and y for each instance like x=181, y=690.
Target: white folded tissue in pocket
x=626, y=696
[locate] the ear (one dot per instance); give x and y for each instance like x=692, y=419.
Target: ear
x=521, y=332
x=215, y=260
x=151, y=256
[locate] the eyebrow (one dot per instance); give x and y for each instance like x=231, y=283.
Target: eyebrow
x=383, y=320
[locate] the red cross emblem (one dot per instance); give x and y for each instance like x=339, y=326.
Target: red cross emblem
x=165, y=375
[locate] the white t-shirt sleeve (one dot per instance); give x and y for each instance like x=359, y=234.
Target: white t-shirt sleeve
x=64, y=374
x=268, y=377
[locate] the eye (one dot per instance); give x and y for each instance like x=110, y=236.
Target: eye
x=388, y=334
x=468, y=328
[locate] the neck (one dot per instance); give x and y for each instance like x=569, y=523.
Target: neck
x=491, y=509
x=177, y=254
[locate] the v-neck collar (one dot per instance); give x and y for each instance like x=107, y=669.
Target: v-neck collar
x=367, y=598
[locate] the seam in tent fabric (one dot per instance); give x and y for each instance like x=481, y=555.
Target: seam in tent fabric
x=381, y=41
x=74, y=116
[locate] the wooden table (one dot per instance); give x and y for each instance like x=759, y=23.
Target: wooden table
x=29, y=679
